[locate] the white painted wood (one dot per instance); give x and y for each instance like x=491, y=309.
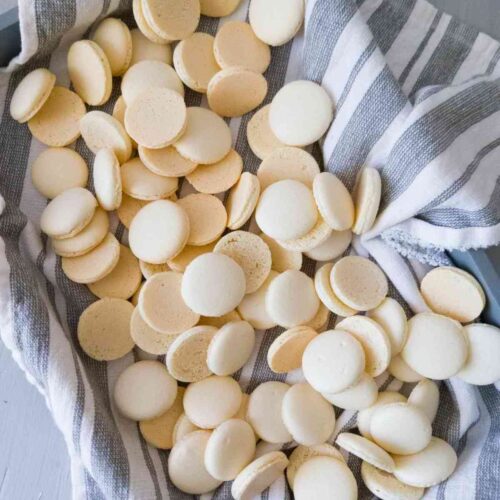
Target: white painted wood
x=33, y=458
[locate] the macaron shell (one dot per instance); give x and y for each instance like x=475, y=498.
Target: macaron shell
x=90, y=72
x=234, y=91
x=31, y=93
x=56, y=124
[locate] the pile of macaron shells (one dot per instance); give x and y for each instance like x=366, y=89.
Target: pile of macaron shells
x=196, y=283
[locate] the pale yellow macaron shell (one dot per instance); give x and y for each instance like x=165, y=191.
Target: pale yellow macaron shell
x=57, y=122
x=31, y=94
x=90, y=72
x=94, y=265
x=57, y=169
x=114, y=38
x=194, y=61
x=104, y=329
x=235, y=91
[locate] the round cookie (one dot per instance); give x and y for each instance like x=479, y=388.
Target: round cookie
x=253, y=306
x=104, y=329
x=264, y=412
x=287, y=162
x=392, y=318
x=230, y=348
x=320, y=232
x=399, y=369
x=326, y=293
x=291, y=299
x=166, y=161
x=218, y=177
x=129, y=209
x=144, y=26
x=149, y=270
x=68, y=213
x=481, y=367
x=100, y=130
x=31, y=94
x=194, y=61
x=453, y=292
x=182, y=428
x=207, y=138
x=235, y=91
x=319, y=476
x=186, y=464
x=334, y=201
x=107, y=179
x=158, y=432
x=144, y=390
x=425, y=395
x=282, y=259
x=358, y=283
x=236, y=45
x=147, y=75
x=114, y=38
x=300, y=113
x=162, y=307
x=259, y=475
x=303, y=453
x=260, y=137
x=220, y=321
x=57, y=122
x=366, y=450
x=187, y=255
x=213, y=284
x=333, y=361
x=207, y=218
x=87, y=239
x=385, y=485
x=285, y=353
x=400, y=428
x=156, y=118
x=231, y=447
x=242, y=200
x=90, y=72
x=143, y=49
x=367, y=194
x=170, y=19
x=211, y=401
x=93, y=265
x=251, y=253
x=187, y=356
x=148, y=339
x=159, y=231
x=123, y=281
x=374, y=340
x=436, y=346
x=432, y=465
x=218, y=8
x=277, y=22
x=357, y=397
x=333, y=247
x=139, y=182
x=309, y=418
x=365, y=415
x=57, y=169
x=286, y=210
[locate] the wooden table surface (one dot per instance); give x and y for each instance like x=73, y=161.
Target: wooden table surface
x=33, y=458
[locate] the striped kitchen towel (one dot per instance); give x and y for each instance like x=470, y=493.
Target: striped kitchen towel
x=417, y=96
